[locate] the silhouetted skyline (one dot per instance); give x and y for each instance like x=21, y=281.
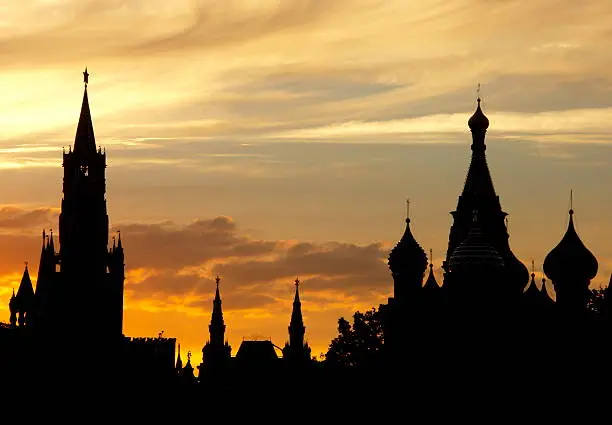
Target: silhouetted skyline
x=299, y=161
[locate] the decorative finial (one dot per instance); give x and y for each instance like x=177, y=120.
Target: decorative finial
x=532, y=268
x=297, y=282
x=86, y=77
x=408, y=209
x=478, y=93
x=571, y=211
x=26, y=264
x=189, y=355
x=430, y=258
x=217, y=280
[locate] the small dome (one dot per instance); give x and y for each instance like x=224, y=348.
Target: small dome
x=570, y=259
x=478, y=121
x=407, y=257
x=475, y=252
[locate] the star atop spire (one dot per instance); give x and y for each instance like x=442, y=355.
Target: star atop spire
x=84, y=141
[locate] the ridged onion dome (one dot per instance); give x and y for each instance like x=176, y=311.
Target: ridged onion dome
x=475, y=252
x=407, y=258
x=478, y=121
x=570, y=259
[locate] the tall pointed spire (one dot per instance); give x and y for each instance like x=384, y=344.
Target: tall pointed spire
x=51, y=245
x=217, y=324
x=296, y=350
x=297, y=322
x=179, y=361
x=84, y=141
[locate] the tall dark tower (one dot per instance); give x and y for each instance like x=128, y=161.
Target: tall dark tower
x=296, y=350
x=217, y=351
x=479, y=195
x=90, y=298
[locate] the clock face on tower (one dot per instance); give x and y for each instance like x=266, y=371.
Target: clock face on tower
x=85, y=170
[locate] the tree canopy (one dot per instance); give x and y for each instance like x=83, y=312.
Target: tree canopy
x=358, y=344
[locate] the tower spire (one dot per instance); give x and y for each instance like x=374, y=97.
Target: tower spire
x=217, y=324
x=84, y=141
x=408, y=209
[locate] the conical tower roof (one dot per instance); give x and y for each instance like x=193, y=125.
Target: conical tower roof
x=570, y=259
x=475, y=251
x=431, y=284
x=25, y=293
x=85, y=141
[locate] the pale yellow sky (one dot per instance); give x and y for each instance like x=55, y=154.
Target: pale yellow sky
x=264, y=139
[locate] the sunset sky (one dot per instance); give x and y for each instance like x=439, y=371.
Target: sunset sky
x=262, y=140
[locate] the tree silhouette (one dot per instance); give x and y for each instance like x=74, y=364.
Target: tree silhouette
x=358, y=345
x=596, y=302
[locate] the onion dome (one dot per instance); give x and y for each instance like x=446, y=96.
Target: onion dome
x=407, y=258
x=475, y=251
x=570, y=259
x=478, y=121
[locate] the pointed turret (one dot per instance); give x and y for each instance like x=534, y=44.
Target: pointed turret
x=431, y=284
x=296, y=326
x=179, y=361
x=296, y=350
x=84, y=141
x=25, y=297
x=51, y=245
x=571, y=266
x=217, y=325
x=407, y=262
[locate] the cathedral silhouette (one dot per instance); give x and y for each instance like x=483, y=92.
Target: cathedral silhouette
x=486, y=322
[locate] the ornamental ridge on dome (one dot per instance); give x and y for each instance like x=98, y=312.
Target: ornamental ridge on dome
x=475, y=251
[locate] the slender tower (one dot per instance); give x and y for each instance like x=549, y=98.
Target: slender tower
x=89, y=298
x=296, y=350
x=217, y=351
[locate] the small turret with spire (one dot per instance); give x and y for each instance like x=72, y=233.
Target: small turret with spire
x=407, y=262
x=431, y=284
x=217, y=351
x=296, y=350
x=179, y=362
